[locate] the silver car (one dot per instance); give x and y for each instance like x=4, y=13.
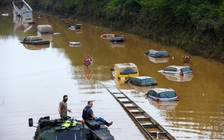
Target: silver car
x=177, y=70
x=162, y=95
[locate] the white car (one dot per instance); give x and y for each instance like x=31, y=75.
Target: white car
x=177, y=70
x=162, y=95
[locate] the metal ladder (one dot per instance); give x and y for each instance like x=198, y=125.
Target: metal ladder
x=150, y=128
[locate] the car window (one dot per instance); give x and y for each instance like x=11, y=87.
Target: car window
x=173, y=69
x=128, y=71
x=167, y=69
x=186, y=69
x=152, y=93
x=152, y=53
x=167, y=94
x=170, y=94
x=148, y=81
x=135, y=81
x=162, y=95
x=162, y=54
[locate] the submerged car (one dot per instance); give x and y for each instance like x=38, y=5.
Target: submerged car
x=108, y=36
x=35, y=40
x=117, y=39
x=162, y=95
x=45, y=29
x=75, y=44
x=177, y=70
x=157, y=54
x=142, y=81
x=124, y=70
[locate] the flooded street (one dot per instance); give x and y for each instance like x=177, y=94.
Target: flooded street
x=33, y=81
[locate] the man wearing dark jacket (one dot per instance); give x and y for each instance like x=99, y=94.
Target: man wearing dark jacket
x=87, y=114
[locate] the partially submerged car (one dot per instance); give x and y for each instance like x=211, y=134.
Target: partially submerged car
x=157, y=54
x=75, y=44
x=124, y=70
x=35, y=40
x=142, y=81
x=117, y=39
x=108, y=36
x=45, y=29
x=78, y=26
x=162, y=95
x=177, y=70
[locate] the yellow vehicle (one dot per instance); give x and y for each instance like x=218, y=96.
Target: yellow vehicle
x=125, y=70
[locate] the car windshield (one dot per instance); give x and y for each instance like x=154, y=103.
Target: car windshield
x=128, y=71
x=186, y=69
x=167, y=94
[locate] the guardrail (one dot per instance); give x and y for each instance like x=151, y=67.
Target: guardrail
x=150, y=127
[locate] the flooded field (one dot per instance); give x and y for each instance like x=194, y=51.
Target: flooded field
x=33, y=80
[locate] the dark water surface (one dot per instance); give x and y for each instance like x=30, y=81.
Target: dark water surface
x=33, y=81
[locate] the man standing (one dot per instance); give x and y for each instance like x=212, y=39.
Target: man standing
x=87, y=114
x=62, y=109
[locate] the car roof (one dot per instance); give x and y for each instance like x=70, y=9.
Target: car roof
x=124, y=65
x=142, y=77
x=158, y=50
x=179, y=67
x=158, y=90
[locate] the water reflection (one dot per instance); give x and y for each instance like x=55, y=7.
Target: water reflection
x=121, y=84
x=48, y=37
x=158, y=60
x=36, y=47
x=164, y=105
x=117, y=45
x=22, y=24
x=179, y=78
x=88, y=72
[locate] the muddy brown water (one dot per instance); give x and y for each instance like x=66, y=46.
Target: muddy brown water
x=33, y=80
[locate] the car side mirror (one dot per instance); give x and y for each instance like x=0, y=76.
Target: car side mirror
x=30, y=122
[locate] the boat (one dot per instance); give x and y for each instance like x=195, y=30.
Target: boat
x=35, y=40
x=69, y=129
x=108, y=36
x=117, y=39
x=75, y=44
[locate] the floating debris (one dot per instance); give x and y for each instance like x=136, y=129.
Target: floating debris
x=5, y=14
